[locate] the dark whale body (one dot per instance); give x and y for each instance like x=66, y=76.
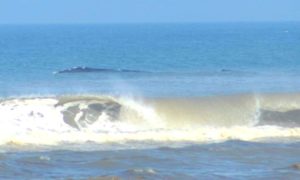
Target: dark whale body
x=80, y=69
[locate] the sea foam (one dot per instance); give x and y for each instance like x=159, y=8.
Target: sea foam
x=106, y=119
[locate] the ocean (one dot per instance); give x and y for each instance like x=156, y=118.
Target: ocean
x=150, y=101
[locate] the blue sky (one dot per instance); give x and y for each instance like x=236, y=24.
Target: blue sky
x=134, y=11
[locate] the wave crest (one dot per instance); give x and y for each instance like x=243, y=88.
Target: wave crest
x=105, y=119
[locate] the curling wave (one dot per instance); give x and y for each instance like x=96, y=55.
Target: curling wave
x=100, y=119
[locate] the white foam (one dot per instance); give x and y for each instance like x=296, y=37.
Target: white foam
x=40, y=121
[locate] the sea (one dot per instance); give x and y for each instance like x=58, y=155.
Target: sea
x=150, y=101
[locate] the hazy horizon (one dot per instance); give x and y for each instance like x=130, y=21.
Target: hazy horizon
x=155, y=11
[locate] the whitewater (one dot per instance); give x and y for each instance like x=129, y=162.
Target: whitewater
x=104, y=119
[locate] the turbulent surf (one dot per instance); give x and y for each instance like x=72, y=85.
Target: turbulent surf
x=82, y=118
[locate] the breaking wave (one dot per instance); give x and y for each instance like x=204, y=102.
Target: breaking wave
x=101, y=119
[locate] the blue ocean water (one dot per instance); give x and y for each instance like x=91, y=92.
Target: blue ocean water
x=259, y=57
x=150, y=101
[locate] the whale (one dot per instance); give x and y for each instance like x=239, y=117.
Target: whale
x=83, y=69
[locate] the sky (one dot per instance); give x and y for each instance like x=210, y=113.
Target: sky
x=146, y=11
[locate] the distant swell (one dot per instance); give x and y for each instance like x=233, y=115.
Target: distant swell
x=82, y=69
x=77, y=119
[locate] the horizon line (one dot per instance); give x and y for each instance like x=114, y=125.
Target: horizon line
x=166, y=22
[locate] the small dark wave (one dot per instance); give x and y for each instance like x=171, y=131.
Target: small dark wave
x=227, y=70
x=236, y=72
x=82, y=69
x=284, y=119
